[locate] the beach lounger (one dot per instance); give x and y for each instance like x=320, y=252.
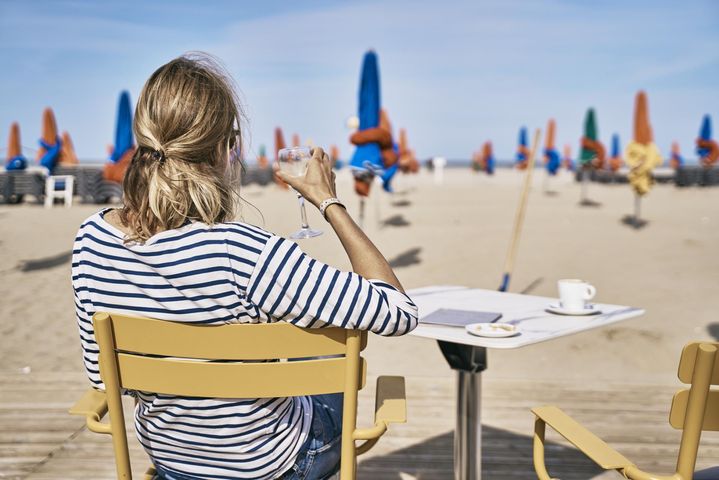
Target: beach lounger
x=693, y=410
x=147, y=355
x=15, y=184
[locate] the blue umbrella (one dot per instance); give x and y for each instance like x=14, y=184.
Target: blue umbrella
x=705, y=134
x=489, y=164
x=616, y=148
x=368, y=157
x=123, y=129
x=522, y=150
x=390, y=172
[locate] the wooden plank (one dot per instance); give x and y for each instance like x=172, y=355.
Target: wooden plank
x=40, y=441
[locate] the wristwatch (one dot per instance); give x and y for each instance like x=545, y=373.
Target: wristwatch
x=330, y=201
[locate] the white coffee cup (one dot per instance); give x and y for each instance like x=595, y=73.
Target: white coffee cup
x=574, y=293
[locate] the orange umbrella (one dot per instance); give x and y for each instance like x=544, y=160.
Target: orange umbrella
x=295, y=140
x=279, y=145
x=67, y=151
x=551, y=156
x=15, y=158
x=14, y=149
x=642, y=155
x=279, y=142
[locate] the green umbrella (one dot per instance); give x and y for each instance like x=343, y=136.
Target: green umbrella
x=590, y=131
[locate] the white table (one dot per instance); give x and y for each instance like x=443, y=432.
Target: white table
x=468, y=353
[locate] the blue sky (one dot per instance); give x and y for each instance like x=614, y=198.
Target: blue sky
x=454, y=73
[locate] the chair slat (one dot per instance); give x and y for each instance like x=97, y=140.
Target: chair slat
x=215, y=379
x=230, y=342
x=679, y=409
x=688, y=359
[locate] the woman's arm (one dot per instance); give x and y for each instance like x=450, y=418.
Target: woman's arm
x=317, y=185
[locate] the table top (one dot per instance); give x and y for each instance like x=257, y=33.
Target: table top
x=527, y=312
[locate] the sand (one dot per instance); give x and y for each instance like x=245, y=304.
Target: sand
x=457, y=234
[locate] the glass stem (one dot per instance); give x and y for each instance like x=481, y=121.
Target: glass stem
x=303, y=212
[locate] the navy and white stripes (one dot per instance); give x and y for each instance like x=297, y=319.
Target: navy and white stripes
x=227, y=273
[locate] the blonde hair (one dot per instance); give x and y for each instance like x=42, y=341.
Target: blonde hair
x=186, y=118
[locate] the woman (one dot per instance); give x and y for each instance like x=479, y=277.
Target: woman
x=172, y=252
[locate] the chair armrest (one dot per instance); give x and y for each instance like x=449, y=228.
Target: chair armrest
x=390, y=407
x=93, y=405
x=591, y=445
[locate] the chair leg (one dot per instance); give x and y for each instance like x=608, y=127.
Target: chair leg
x=49, y=190
x=539, y=466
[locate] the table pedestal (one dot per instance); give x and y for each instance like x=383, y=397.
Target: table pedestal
x=469, y=361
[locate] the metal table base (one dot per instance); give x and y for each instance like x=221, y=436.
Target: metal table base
x=470, y=362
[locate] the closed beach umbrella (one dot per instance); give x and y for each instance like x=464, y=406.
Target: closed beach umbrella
x=567, y=158
x=522, y=149
x=262, y=161
x=676, y=160
x=67, y=151
x=295, y=140
x=367, y=156
x=642, y=155
x=279, y=142
x=335, y=157
x=123, y=128
x=615, y=159
x=707, y=148
x=551, y=156
x=592, y=151
x=488, y=158
x=279, y=145
x=15, y=158
x=50, y=143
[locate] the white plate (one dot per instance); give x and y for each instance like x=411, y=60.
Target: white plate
x=590, y=309
x=492, y=330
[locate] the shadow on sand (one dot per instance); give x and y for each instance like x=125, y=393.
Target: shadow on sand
x=410, y=257
x=401, y=203
x=44, y=263
x=395, y=221
x=634, y=222
x=713, y=330
x=589, y=203
x=505, y=455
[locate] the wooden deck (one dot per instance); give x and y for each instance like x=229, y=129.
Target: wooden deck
x=39, y=440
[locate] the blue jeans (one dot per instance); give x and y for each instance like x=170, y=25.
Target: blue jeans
x=319, y=456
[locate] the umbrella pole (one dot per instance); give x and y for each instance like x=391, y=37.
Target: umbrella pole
x=361, y=213
x=377, y=212
x=519, y=218
x=585, y=182
x=637, y=208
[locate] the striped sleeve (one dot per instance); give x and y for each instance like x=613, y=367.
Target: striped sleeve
x=291, y=286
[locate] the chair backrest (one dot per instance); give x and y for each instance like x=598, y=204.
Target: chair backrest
x=696, y=408
x=226, y=361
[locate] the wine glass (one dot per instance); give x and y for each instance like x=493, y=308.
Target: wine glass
x=294, y=162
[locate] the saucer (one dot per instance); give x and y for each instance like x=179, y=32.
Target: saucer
x=589, y=309
x=492, y=330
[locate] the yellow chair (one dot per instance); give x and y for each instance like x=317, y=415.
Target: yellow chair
x=130, y=346
x=693, y=410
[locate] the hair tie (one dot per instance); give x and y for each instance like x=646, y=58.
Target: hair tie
x=158, y=156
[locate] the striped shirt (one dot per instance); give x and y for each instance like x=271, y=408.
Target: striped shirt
x=226, y=273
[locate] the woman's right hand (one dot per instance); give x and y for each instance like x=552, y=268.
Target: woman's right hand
x=318, y=183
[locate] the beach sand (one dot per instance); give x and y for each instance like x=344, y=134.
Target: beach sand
x=451, y=234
